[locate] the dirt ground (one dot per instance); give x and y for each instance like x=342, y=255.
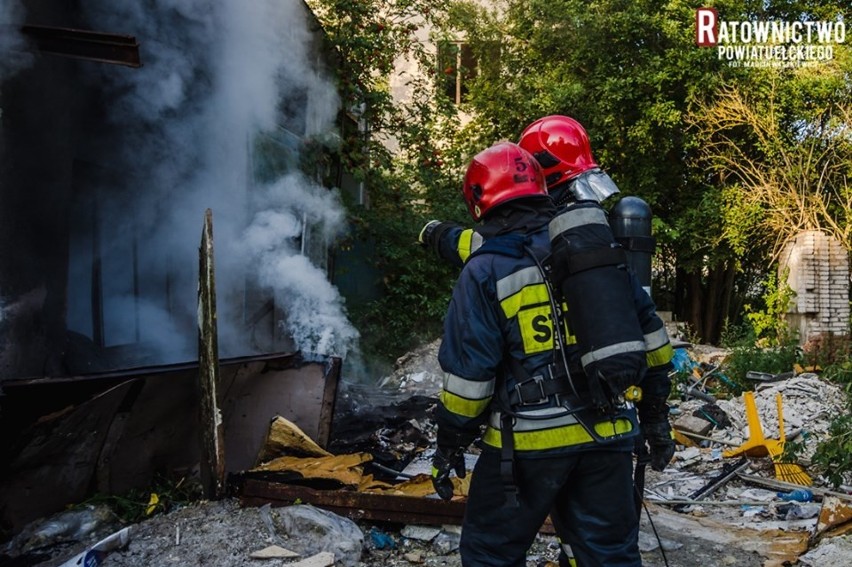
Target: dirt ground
x=224, y=534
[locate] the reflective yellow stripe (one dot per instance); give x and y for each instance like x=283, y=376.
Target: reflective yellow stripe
x=464, y=244
x=516, y=281
x=558, y=437
x=525, y=421
x=660, y=356
x=612, y=350
x=470, y=389
x=569, y=338
x=531, y=295
x=469, y=242
x=576, y=217
x=656, y=339
x=463, y=406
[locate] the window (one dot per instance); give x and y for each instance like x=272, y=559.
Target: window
x=456, y=68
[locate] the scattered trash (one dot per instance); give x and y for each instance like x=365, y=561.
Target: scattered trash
x=835, y=518
x=692, y=424
x=714, y=414
x=71, y=525
x=752, y=511
x=797, y=511
x=420, y=533
x=321, y=559
x=798, y=495
x=94, y=555
x=834, y=551
x=381, y=540
x=767, y=377
x=446, y=542
x=273, y=552
x=321, y=530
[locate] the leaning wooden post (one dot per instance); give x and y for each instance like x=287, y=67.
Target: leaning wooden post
x=212, y=430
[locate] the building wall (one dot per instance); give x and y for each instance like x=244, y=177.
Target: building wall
x=39, y=115
x=106, y=172
x=819, y=274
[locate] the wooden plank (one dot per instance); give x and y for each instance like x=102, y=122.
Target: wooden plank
x=117, y=49
x=355, y=505
x=212, y=429
x=359, y=505
x=332, y=377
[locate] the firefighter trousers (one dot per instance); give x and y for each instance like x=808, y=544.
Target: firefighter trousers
x=589, y=496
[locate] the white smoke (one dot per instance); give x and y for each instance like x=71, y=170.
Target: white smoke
x=312, y=304
x=214, y=75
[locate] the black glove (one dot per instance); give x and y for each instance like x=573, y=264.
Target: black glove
x=661, y=446
x=447, y=459
x=656, y=431
x=426, y=233
x=432, y=233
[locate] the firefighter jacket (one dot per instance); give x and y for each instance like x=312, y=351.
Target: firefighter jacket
x=456, y=245
x=498, y=342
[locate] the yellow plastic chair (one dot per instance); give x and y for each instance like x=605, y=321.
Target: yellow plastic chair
x=759, y=446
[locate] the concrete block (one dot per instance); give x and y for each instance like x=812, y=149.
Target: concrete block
x=693, y=424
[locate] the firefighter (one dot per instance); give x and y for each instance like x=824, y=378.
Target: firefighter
x=561, y=145
x=546, y=450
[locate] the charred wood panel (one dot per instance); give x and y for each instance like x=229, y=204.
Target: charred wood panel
x=117, y=49
x=57, y=460
x=142, y=434
x=212, y=432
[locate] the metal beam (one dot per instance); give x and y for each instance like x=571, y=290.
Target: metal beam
x=110, y=48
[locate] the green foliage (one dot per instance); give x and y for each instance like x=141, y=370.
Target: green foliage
x=628, y=70
x=773, y=360
x=769, y=325
x=405, y=162
x=764, y=342
x=832, y=355
x=834, y=456
x=162, y=496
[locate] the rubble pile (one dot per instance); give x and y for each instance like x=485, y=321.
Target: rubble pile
x=704, y=508
x=809, y=405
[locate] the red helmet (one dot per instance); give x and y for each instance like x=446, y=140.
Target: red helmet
x=561, y=146
x=503, y=172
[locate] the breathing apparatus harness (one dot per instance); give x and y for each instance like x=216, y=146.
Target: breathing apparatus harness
x=534, y=390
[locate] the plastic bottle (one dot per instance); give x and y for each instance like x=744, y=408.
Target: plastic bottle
x=797, y=495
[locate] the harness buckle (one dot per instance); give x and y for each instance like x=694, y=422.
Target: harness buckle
x=539, y=381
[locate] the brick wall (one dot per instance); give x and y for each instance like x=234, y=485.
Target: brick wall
x=819, y=274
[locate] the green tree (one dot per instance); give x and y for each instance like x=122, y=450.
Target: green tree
x=400, y=155
x=794, y=175
x=631, y=73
